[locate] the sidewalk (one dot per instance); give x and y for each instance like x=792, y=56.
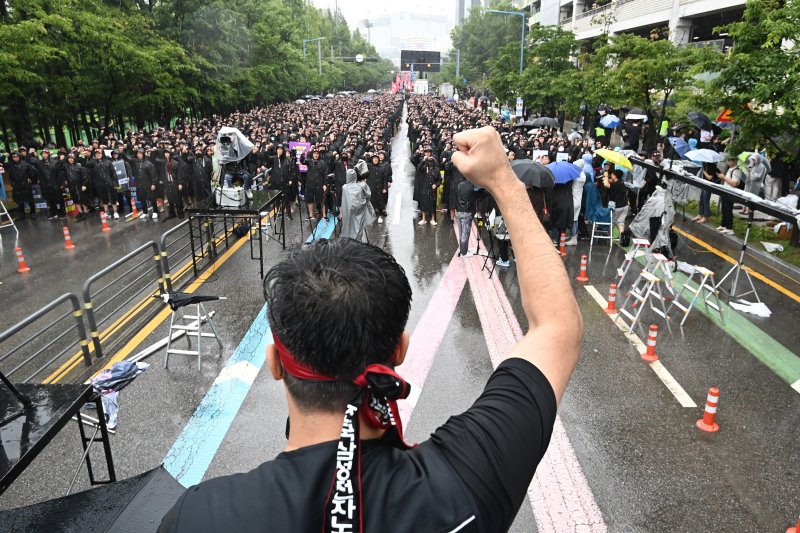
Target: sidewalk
x=755, y=257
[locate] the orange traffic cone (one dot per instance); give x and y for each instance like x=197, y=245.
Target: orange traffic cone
x=650, y=354
x=562, y=245
x=134, y=211
x=23, y=267
x=612, y=300
x=707, y=423
x=67, y=240
x=795, y=529
x=582, y=276
x=104, y=218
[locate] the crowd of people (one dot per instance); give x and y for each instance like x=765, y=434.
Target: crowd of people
x=170, y=169
x=319, y=150
x=562, y=207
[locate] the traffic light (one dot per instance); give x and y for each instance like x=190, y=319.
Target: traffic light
x=421, y=60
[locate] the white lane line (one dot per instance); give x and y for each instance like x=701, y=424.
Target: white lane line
x=663, y=374
x=796, y=385
x=398, y=201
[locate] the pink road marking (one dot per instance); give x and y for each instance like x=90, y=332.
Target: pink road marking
x=560, y=496
x=429, y=333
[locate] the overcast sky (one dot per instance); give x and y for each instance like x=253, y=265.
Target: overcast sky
x=356, y=10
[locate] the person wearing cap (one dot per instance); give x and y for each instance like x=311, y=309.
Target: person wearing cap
x=731, y=179
x=102, y=179
x=315, y=188
x=377, y=184
x=77, y=185
x=51, y=179
x=346, y=466
x=22, y=175
x=429, y=180
x=144, y=173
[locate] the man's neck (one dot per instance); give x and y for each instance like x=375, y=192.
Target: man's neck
x=309, y=428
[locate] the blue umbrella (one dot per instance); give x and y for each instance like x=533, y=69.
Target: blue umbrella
x=449, y=101
x=610, y=121
x=564, y=172
x=680, y=145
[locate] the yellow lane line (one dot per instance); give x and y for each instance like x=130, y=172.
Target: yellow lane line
x=151, y=326
x=775, y=285
x=69, y=365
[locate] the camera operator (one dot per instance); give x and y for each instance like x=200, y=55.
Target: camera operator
x=337, y=310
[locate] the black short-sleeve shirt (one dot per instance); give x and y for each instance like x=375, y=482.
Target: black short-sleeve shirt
x=471, y=475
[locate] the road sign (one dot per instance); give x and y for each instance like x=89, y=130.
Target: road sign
x=725, y=116
x=519, y=107
x=359, y=58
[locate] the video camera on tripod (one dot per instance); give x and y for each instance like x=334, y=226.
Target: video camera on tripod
x=231, y=148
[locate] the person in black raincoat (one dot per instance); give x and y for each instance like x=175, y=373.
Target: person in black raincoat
x=173, y=186
x=315, y=184
x=282, y=177
x=52, y=185
x=386, y=168
x=22, y=175
x=124, y=190
x=377, y=184
x=429, y=179
x=561, y=210
x=75, y=176
x=103, y=179
x=200, y=184
x=146, y=184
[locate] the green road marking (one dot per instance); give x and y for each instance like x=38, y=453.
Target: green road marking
x=778, y=358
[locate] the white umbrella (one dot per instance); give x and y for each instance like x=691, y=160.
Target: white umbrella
x=372, y=91
x=299, y=101
x=704, y=155
x=635, y=116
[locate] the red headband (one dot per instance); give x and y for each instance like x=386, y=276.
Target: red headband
x=380, y=388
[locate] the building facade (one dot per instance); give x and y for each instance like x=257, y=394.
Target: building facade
x=684, y=22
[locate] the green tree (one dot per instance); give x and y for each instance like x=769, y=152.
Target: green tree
x=480, y=38
x=760, y=79
x=548, y=81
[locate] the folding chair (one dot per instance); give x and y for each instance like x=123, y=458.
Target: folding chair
x=607, y=225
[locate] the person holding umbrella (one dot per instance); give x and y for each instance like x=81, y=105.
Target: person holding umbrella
x=562, y=208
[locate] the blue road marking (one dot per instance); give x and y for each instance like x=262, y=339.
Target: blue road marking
x=324, y=229
x=192, y=453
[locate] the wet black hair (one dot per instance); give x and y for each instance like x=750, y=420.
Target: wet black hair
x=338, y=306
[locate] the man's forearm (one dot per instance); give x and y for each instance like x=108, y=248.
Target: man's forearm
x=544, y=286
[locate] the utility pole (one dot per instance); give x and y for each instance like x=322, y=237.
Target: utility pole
x=319, y=57
x=458, y=64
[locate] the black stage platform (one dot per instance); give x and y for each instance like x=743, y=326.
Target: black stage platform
x=134, y=505
x=28, y=430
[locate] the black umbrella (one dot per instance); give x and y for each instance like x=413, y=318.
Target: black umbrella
x=669, y=103
x=700, y=120
x=524, y=124
x=546, y=122
x=533, y=174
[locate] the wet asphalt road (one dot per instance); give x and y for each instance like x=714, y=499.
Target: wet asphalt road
x=648, y=467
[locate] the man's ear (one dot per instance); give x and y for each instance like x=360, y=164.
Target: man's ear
x=402, y=349
x=274, y=362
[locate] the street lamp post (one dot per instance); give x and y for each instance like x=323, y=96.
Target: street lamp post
x=319, y=51
x=522, y=39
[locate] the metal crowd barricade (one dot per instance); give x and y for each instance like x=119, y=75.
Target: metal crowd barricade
x=175, y=246
x=44, y=341
x=136, y=278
